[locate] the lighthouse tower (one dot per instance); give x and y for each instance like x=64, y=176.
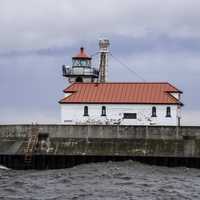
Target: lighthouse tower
x=81, y=70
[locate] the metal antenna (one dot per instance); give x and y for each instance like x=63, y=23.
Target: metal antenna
x=103, y=50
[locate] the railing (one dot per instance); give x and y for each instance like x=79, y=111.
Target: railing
x=79, y=71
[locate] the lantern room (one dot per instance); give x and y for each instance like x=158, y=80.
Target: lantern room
x=81, y=70
x=81, y=59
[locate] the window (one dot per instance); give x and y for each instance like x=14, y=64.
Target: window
x=153, y=111
x=85, y=111
x=81, y=63
x=130, y=116
x=103, y=111
x=76, y=63
x=168, y=112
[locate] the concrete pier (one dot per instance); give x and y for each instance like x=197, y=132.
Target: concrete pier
x=61, y=146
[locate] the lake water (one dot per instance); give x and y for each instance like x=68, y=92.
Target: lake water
x=111, y=180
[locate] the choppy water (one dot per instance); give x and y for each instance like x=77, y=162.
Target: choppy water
x=112, y=180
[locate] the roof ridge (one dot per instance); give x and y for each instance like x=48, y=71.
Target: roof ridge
x=127, y=83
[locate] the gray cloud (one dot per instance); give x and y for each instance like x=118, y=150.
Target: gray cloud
x=41, y=24
x=157, y=39
x=32, y=85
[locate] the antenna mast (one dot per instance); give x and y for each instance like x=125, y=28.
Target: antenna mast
x=103, y=50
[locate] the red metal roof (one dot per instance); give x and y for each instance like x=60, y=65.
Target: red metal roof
x=122, y=93
x=82, y=54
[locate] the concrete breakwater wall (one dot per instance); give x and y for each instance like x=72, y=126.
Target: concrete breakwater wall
x=102, y=142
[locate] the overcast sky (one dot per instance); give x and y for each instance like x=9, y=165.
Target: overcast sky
x=160, y=40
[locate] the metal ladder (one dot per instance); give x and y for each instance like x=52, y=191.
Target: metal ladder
x=31, y=144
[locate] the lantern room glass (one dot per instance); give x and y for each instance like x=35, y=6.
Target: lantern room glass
x=81, y=63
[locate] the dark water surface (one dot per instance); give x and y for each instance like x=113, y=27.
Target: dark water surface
x=112, y=180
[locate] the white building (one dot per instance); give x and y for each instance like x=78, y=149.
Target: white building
x=121, y=103
x=89, y=100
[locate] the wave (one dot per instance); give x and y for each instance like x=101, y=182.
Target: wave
x=3, y=167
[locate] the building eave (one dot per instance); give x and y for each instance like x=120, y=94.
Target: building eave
x=150, y=103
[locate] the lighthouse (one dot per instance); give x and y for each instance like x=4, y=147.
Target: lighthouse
x=81, y=69
x=91, y=99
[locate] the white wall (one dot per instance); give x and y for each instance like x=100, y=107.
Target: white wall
x=67, y=94
x=176, y=95
x=73, y=114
